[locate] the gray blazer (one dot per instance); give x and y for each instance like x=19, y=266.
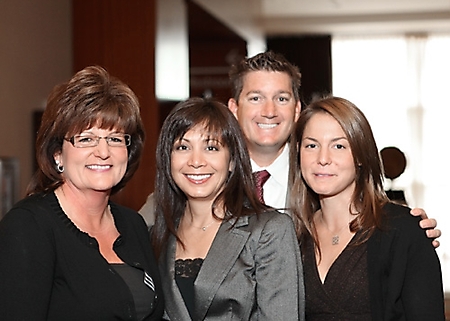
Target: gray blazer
x=253, y=271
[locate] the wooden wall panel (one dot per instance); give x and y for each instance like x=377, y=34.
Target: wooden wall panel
x=120, y=36
x=213, y=47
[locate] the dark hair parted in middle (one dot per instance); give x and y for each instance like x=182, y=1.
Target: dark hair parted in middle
x=237, y=198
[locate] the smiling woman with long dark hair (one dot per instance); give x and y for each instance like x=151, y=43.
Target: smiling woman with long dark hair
x=223, y=254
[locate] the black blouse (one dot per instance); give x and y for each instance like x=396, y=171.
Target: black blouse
x=344, y=295
x=143, y=295
x=186, y=272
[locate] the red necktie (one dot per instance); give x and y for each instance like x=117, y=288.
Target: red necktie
x=261, y=178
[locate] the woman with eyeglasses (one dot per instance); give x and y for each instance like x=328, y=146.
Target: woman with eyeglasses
x=66, y=251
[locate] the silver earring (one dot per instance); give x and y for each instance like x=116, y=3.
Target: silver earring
x=59, y=167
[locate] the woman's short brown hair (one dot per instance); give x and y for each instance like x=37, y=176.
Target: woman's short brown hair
x=90, y=98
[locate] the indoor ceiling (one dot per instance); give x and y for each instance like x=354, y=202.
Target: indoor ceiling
x=288, y=17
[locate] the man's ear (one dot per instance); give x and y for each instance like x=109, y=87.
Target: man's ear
x=233, y=106
x=298, y=110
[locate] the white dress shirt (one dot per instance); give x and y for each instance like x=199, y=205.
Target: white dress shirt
x=275, y=189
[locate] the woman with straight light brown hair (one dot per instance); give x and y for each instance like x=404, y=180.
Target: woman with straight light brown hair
x=365, y=258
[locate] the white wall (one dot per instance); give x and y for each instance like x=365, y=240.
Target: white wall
x=172, y=50
x=35, y=55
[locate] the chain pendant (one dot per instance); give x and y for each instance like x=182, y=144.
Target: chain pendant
x=335, y=240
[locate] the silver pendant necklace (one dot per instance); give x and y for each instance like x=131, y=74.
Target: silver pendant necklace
x=203, y=228
x=335, y=240
x=206, y=226
x=335, y=235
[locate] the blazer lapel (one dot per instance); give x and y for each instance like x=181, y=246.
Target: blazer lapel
x=173, y=299
x=222, y=255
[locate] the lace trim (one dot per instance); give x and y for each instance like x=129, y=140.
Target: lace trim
x=188, y=268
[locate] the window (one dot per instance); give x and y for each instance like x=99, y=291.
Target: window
x=400, y=83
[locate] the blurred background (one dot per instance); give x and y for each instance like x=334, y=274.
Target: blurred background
x=390, y=57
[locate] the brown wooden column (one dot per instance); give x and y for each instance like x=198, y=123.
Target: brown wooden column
x=120, y=36
x=213, y=48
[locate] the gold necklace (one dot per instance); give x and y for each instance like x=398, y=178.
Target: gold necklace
x=335, y=235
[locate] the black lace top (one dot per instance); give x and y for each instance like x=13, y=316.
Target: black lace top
x=186, y=272
x=344, y=295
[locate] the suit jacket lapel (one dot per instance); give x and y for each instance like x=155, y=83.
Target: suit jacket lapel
x=173, y=299
x=222, y=255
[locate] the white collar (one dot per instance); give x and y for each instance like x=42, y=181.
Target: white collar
x=278, y=168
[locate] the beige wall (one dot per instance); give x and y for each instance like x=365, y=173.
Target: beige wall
x=35, y=55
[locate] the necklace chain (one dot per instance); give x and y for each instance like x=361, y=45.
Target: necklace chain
x=335, y=235
x=203, y=228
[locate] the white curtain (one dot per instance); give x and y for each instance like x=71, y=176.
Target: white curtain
x=400, y=83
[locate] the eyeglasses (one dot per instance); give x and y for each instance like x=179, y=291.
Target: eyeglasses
x=113, y=140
